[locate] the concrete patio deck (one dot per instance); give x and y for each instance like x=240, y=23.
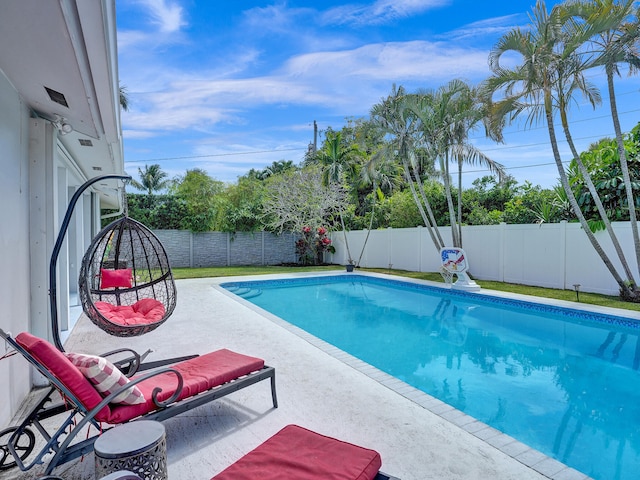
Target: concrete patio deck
x=320, y=388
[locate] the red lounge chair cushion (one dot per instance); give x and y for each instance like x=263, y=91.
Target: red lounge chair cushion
x=143, y=312
x=60, y=366
x=115, y=278
x=199, y=375
x=106, y=378
x=295, y=453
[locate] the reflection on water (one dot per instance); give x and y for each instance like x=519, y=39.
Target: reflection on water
x=568, y=388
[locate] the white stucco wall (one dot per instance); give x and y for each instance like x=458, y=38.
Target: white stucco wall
x=14, y=242
x=37, y=179
x=40, y=169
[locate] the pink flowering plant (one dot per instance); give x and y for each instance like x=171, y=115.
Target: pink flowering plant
x=312, y=244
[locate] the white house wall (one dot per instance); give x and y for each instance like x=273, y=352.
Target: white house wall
x=80, y=232
x=42, y=219
x=40, y=169
x=38, y=178
x=14, y=242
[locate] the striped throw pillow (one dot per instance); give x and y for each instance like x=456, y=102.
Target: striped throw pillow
x=106, y=378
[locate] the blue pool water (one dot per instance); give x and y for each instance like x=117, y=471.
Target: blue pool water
x=563, y=381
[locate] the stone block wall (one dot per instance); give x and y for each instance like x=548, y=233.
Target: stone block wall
x=219, y=249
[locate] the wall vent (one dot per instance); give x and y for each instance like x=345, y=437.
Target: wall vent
x=57, y=97
x=97, y=169
x=85, y=142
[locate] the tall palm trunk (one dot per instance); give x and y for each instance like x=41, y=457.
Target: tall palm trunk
x=596, y=198
x=460, y=200
x=366, y=239
x=446, y=179
x=427, y=205
x=572, y=199
x=624, y=165
x=346, y=241
x=419, y=203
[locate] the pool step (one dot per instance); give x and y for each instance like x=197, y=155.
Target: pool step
x=253, y=292
x=245, y=292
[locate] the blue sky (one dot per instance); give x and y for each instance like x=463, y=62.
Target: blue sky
x=226, y=86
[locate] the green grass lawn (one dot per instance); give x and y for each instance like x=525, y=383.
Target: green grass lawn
x=568, y=295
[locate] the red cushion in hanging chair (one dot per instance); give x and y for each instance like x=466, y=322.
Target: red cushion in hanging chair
x=115, y=278
x=143, y=312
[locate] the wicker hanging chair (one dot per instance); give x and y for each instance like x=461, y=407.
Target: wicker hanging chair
x=126, y=285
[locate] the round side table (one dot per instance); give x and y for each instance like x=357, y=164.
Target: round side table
x=139, y=447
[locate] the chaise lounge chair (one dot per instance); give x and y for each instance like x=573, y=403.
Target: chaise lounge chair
x=157, y=395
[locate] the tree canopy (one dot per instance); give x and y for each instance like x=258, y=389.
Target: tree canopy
x=402, y=165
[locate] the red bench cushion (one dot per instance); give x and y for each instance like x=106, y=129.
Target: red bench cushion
x=199, y=375
x=295, y=453
x=143, y=312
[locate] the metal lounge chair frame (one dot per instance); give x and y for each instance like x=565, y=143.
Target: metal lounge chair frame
x=60, y=444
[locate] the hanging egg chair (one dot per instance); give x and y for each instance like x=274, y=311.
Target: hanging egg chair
x=126, y=286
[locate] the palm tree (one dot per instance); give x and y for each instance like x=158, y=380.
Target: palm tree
x=152, y=179
x=617, y=31
x=339, y=163
x=532, y=87
x=396, y=120
x=571, y=80
x=276, y=168
x=123, y=98
x=447, y=115
x=382, y=175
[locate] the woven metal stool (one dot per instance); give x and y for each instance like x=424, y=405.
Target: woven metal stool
x=139, y=447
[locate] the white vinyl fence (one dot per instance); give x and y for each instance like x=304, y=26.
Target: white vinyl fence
x=549, y=255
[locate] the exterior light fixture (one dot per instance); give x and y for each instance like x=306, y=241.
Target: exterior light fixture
x=576, y=287
x=62, y=125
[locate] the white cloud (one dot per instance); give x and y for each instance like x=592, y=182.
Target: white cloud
x=227, y=161
x=256, y=86
x=490, y=27
x=380, y=12
x=293, y=26
x=341, y=81
x=168, y=16
x=138, y=134
x=393, y=61
x=130, y=38
x=166, y=22
x=175, y=116
x=272, y=17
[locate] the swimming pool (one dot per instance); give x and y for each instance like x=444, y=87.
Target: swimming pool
x=563, y=381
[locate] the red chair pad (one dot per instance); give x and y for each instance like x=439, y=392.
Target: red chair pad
x=65, y=371
x=143, y=312
x=295, y=453
x=199, y=374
